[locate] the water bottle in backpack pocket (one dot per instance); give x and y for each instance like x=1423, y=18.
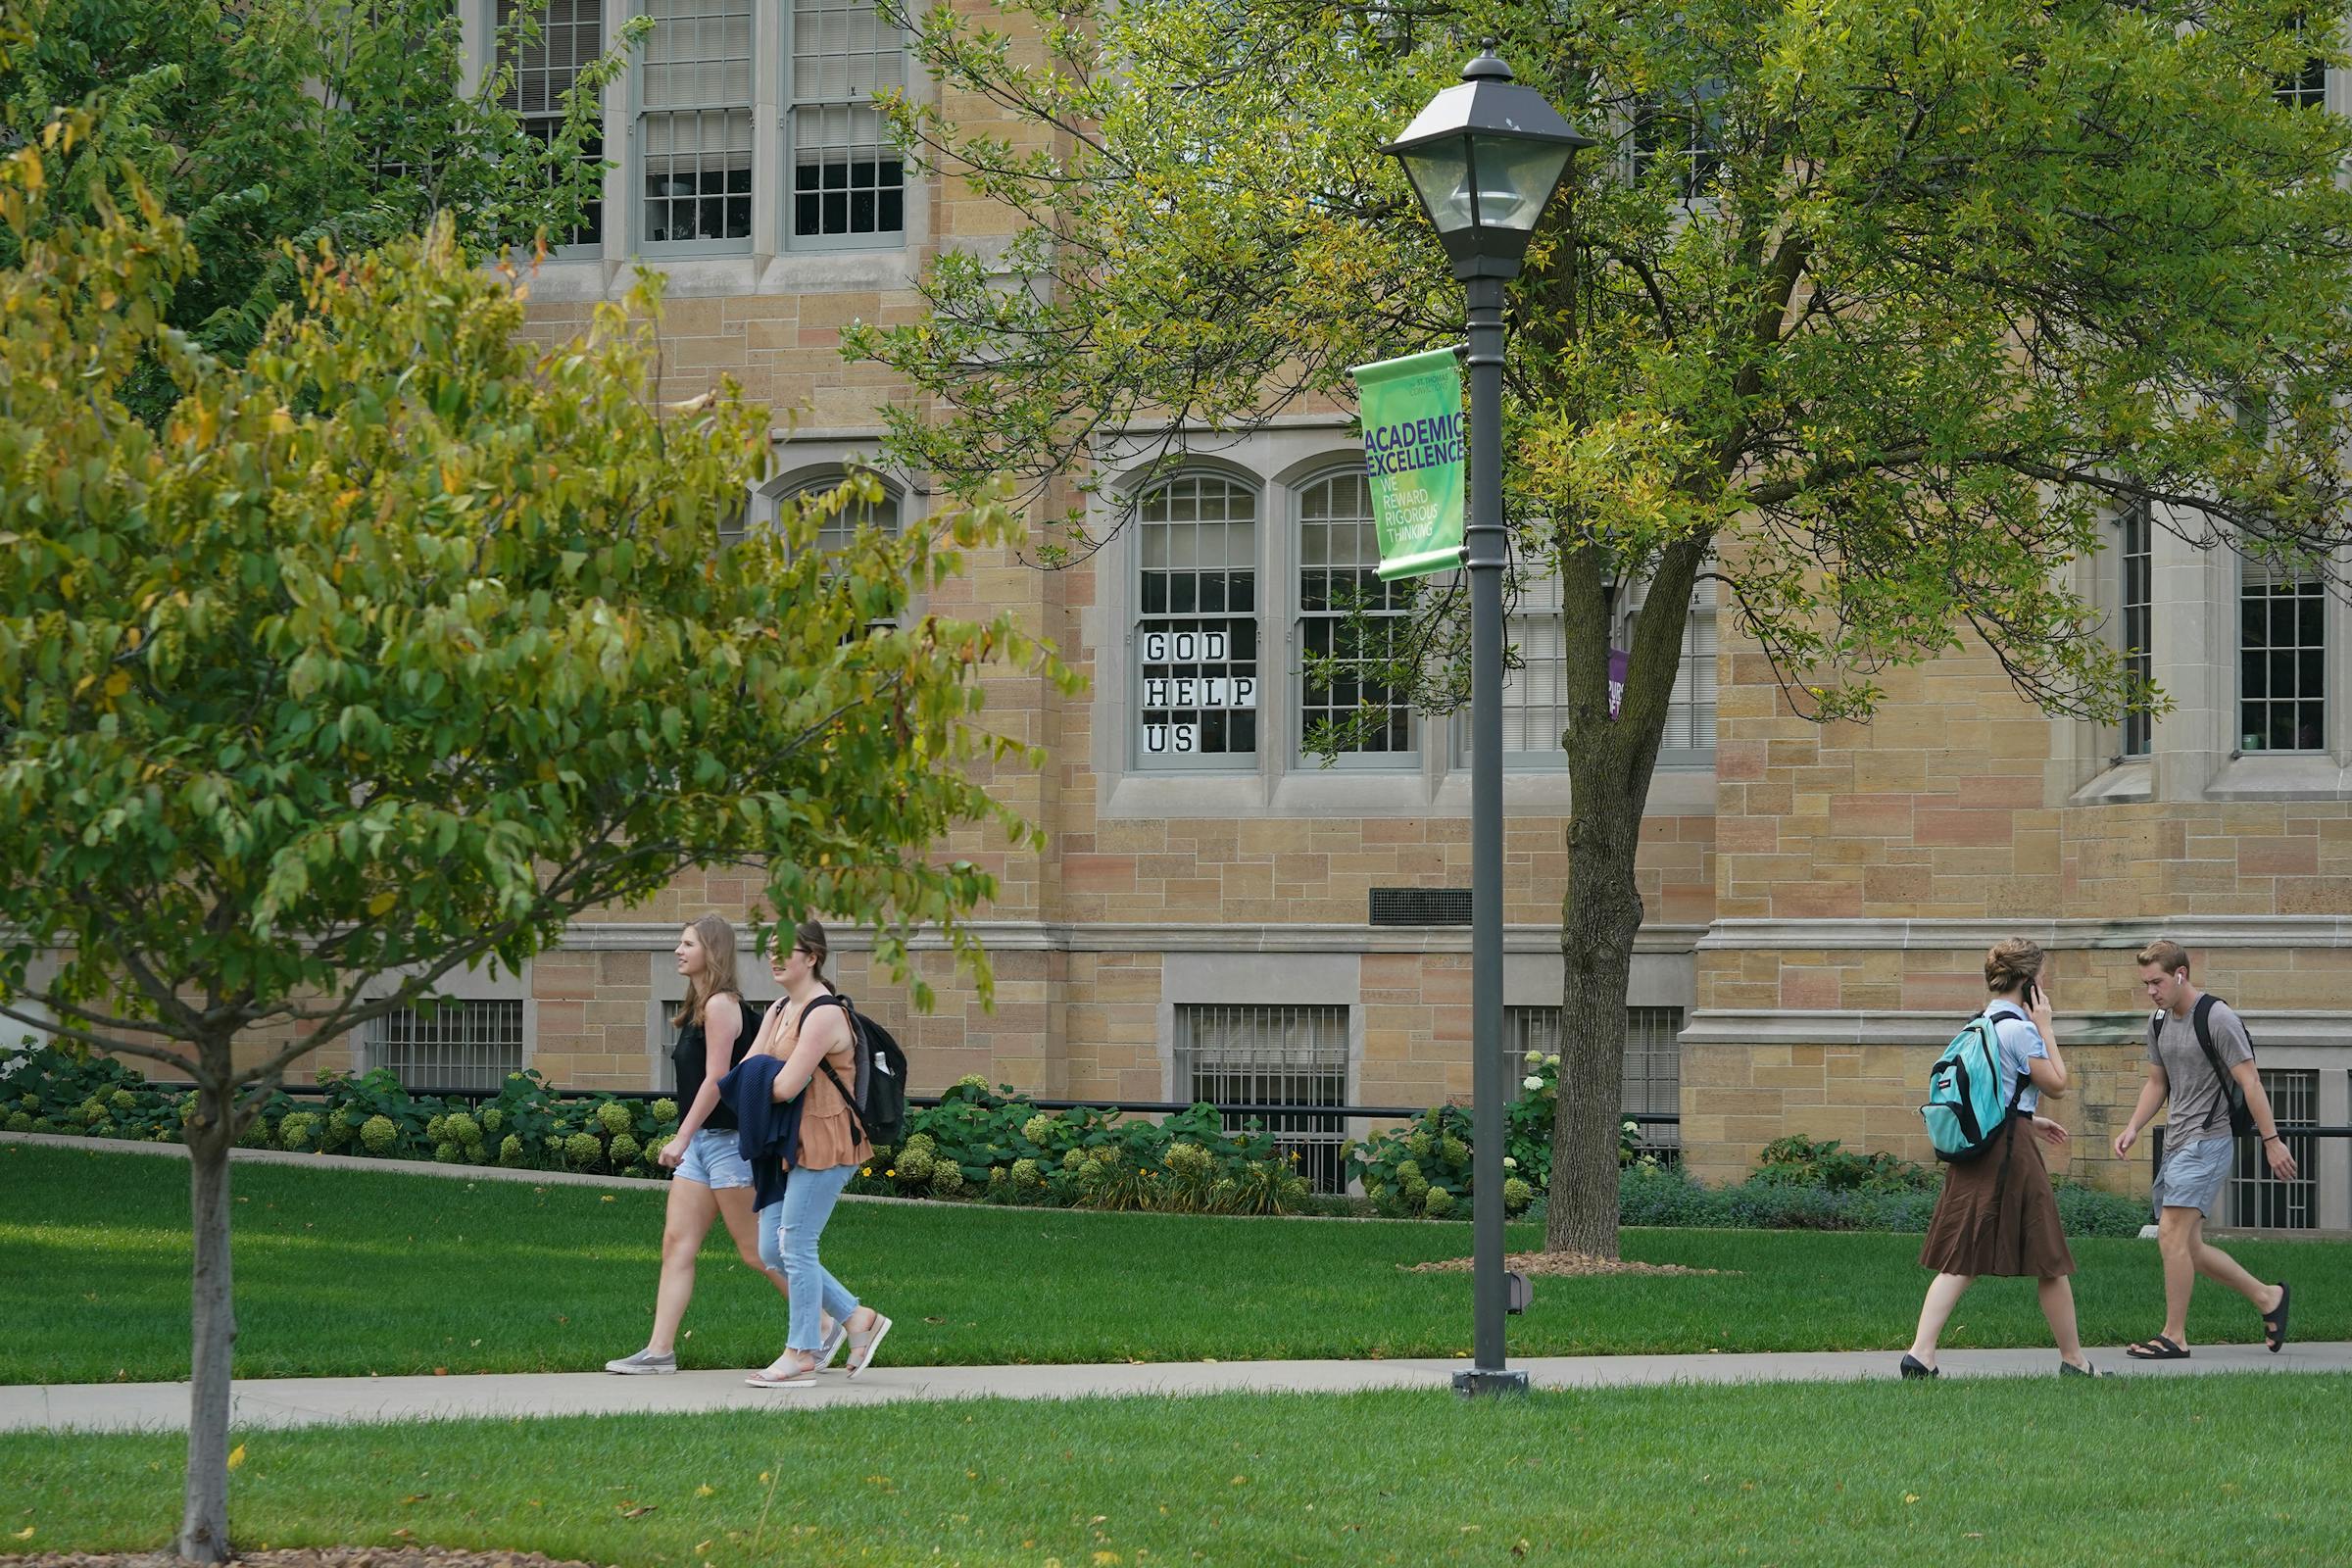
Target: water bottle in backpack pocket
x=1969, y=1094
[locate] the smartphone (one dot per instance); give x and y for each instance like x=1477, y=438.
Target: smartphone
x=2032, y=993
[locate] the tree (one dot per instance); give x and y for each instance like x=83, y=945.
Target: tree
x=1864, y=312
x=298, y=121
x=401, y=645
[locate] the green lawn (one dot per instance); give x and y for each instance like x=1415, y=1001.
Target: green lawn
x=349, y=1272
x=2138, y=1472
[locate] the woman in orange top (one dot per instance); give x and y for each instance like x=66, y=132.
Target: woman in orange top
x=807, y=1028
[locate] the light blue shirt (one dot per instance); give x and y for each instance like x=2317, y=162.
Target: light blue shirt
x=2020, y=1045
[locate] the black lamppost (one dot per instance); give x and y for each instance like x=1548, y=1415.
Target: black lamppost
x=1484, y=157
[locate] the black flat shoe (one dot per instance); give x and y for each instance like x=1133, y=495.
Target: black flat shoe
x=1914, y=1367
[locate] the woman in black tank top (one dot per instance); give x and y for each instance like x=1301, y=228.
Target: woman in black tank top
x=712, y=1180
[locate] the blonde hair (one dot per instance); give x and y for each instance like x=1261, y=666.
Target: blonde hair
x=2011, y=962
x=717, y=978
x=2165, y=951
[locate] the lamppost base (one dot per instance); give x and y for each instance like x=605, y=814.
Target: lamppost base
x=1482, y=1380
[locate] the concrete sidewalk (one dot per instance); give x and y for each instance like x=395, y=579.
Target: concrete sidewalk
x=311, y=1402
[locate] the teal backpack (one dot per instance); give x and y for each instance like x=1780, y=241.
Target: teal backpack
x=1969, y=1097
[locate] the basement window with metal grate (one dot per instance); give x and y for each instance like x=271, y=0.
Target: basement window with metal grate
x=1272, y=1055
x=1654, y=1064
x=1420, y=907
x=2256, y=1196
x=458, y=1045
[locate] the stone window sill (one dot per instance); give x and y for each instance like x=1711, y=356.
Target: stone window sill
x=2130, y=782
x=2269, y=776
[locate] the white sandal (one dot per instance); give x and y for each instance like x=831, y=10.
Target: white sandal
x=784, y=1372
x=861, y=1350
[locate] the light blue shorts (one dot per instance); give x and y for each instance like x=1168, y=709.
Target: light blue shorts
x=715, y=1160
x=2192, y=1175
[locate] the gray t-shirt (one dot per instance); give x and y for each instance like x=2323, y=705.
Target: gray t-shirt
x=2200, y=1109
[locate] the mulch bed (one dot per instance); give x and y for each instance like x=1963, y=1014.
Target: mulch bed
x=310, y=1557
x=1553, y=1264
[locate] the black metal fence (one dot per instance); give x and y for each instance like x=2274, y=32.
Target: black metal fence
x=2255, y=1198
x=1313, y=1123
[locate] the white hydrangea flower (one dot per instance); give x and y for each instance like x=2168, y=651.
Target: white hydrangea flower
x=1531, y=1081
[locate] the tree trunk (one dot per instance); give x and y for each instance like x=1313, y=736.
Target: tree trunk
x=204, y=1518
x=1598, y=917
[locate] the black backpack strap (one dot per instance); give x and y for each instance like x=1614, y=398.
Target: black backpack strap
x=856, y=1108
x=847, y=1099
x=2213, y=1058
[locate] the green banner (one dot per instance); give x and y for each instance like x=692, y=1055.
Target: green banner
x=1414, y=453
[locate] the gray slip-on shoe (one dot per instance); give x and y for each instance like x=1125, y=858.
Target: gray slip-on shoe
x=645, y=1363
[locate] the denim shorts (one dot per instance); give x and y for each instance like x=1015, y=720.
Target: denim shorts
x=2191, y=1176
x=715, y=1160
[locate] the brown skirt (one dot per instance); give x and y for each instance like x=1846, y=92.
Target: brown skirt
x=1997, y=1214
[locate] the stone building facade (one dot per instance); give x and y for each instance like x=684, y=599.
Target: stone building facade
x=1219, y=914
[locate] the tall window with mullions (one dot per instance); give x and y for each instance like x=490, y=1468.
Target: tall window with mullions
x=2281, y=660
x=1272, y=1055
x=695, y=124
x=2138, y=607
x=1195, y=629
x=848, y=182
x=571, y=33
x=1347, y=614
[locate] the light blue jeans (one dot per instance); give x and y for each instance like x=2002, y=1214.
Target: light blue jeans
x=788, y=1236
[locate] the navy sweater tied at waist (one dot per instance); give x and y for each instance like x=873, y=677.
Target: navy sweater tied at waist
x=767, y=1133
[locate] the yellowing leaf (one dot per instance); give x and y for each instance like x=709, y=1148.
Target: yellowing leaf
x=705, y=1490
x=237, y=1456
x=24, y=1534
x=382, y=901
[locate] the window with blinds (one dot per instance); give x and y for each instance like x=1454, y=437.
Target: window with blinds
x=1689, y=738
x=1339, y=572
x=848, y=182
x=1534, y=685
x=571, y=33
x=695, y=123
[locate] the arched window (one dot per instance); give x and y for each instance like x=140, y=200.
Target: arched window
x=837, y=532
x=1195, y=626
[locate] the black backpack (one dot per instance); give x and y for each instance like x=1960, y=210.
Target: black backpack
x=879, y=1104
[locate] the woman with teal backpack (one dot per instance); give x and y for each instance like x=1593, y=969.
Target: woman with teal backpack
x=1997, y=1214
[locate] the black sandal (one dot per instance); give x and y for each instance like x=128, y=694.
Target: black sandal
x=2157, y=1348
x=2274, y=1322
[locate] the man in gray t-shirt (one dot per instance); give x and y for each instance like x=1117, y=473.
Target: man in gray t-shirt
x=2200, y=1104
x=2198, y=1145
